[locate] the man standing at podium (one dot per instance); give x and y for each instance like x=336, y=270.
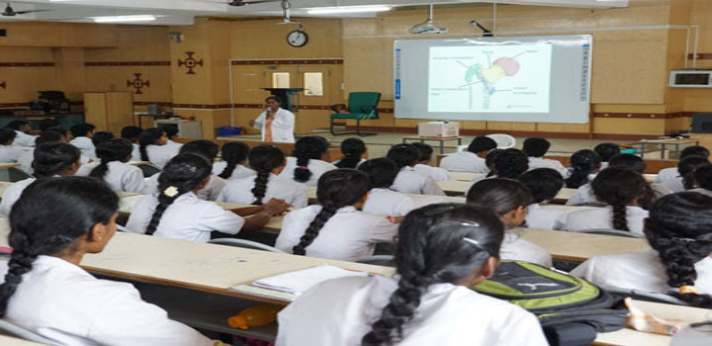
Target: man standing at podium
x=276, y=124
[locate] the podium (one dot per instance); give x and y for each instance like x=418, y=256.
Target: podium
x=285, y=94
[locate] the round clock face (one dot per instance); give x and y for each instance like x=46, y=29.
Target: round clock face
x=297, y=38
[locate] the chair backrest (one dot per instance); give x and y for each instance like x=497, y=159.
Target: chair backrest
x=645, y=295
x=614, y=232
x=149, y=170
x=14, y=330
x=364, y=103
x=504, y=141
x=243, y=243
x=381, y=260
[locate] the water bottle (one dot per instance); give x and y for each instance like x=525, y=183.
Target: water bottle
x=255, y=316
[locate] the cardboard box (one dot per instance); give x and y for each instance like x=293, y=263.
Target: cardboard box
x=438, y=129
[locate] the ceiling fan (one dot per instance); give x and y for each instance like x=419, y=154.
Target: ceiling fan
x=248, y=2
x=9, y=12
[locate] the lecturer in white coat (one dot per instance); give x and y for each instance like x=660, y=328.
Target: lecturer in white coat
x=277, y=124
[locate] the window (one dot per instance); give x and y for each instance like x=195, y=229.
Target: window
x=280, y=80
x=313, y=84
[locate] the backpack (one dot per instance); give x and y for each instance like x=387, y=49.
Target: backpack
x=571, y=310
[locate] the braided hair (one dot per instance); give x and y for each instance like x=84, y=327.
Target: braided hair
x=336, y=189
x=382, y=172
x=352, y=148
x=440, y=243
x=544, y=183
x=687, y=168
x=264, y=159
x=619, y=187
x=101, y=137
x=38, y=227
x=305, y=149
x=233, y=153
x=149, y=137
x=510, y=163
x=117, y=149
x=185, y=173
x=403, y=155
x=680, y=230
x=584, y=162
x=53, y=158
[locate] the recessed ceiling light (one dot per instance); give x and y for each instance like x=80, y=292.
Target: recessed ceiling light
x=348, y=9
x=123, y=19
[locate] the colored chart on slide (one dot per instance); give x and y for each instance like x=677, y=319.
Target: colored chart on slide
x=497, y=79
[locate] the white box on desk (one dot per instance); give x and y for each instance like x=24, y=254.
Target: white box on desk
x=438, y=129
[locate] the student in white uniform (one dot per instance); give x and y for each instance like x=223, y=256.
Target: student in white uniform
x=176, y=212
x=621, y=189
x=101, y=137
x=507, y=163
x=544, y=184
x=680, y=232
x=470, y=160
x=509, y=200
x=268, y=161
x=335, y=228
x=537, y=147
x=83, y=134
x=443, y=250
x=232, y=166
x=408, y=180
x=703, y=180
x=152, y=147
x=672, y=173
x=113, y=168
x=22, y=129
x=306, y=164
x=686, y=168
x=423, y=164
x=47, y=292
x=382, y=200
x=132, y=134
x=607, y=151
x=172, y=133
x=8, y=154
x=276, y=123
x=50, y=160
x=353, y=150
x=696, y=334
x=584, y=166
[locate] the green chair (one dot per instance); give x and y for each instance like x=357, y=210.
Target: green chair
x=362, y=105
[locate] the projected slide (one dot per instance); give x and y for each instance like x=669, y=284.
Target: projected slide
x=490, y=79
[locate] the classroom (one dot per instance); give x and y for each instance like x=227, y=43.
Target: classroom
x=327, y=172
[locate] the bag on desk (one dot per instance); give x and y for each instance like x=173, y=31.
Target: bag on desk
x=571, y=310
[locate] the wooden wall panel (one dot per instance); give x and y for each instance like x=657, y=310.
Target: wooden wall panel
x=46, y=34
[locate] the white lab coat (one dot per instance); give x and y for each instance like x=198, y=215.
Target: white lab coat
x=642, y=271
x=316, y=167
x=159, y=155
x=12, y=194
x=282, y=126
x=85, y=145
x=464, y=161
x=597, y=218
x=437, y=173
x=240, y=191
x=241, y=171
x=187, y=218
x=9, y=153
x=540, y=162
x=61, y=302
x=514, y=247
x=24, y=140
x=349, y=235
x=666, y=174
x=209, y=193
x=341, y=311
x=120, y=176
x=388, y=202
x=410, y=181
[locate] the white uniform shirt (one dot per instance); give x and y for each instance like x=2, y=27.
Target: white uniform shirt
x=209, y=193
x=187, y=218
x=548, y=217
x=674, y=185
x=584, y=195
x=341, y=311
x=282, y=126
x=24, y=140
x=317, y=168
x=388, y=202
x=540, y=162
x=240, y=191
x=437, y=173
x=85, y=145
x=120, y=176
x=136, y=152
x=359, y=163
x=666, y=174
x=9, y=154
x=12, y=194
x=464, y=161
x=410, y=181
x=514, y=247
x=159, y=155
x=349, y=235
x=174, y=145
x=602, y=218
x=240, y=171
x=642, y=271
x=61, y=302
x=702, y=191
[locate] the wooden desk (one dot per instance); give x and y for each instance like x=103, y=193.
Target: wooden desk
x=578, y=247
x=454, y=187
x=465, y=176
x=665, y=142
x=442, y=140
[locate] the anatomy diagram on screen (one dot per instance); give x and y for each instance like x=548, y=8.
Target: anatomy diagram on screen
x=489, y=76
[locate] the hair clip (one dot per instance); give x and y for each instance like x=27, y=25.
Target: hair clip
x=684, y=240
x=688, y=290
x=171, y=191
x=303, y=167
x=473, y=242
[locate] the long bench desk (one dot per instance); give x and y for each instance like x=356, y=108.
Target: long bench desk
x=455, y=187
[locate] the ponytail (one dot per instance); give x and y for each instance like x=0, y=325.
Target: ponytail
x=233, y=153
x=618, y=187
x=307, y=148
x=620, y=217
x=149, y=137
x=353, y=149
x=117, y=149
x=583, y=162
x=687, y=168
x=53, y=158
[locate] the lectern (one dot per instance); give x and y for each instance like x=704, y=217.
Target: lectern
x=285, y=94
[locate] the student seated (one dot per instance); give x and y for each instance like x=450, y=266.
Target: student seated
x=405, y=156
x=509, y=200
x=353, y=150
x=268, y=161
x=307, y=163
x=621, y=189
x=470, y=160
x=584, y=165
x=132, y=134
x=47, y=292
x=232, y=166
x=50, y=160
x=113, y=168
x=83, y=134
x=544, y=184
x=703, y=180
x=607, y=151
x=443, y=249
x=172, y=133
x=152, y=147
x=177, y=212
x=335, y=228
x=672, y=172
x=382, y=200
x=680, y=232
x=7, y=152
x=101, y=137
x=48, y=123
x=686, y=168
x=507, y=163
x=423, y=163
x=535, y=148
x=22, y=130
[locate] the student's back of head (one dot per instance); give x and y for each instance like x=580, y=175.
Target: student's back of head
x=82, y=130
x=535, y=146
x=352, y=149
x=55, y=159
x=510, y=163
x=132, y=133
x=607, y=150
x=50, y=137
x=7, y=136
x=305, y=149
x=171, y=131
x=583, y=163
x=117, y=149
x=233, y=154
x=629, y=161
x=687, y=168
x=507, y=198
x=481, y=145
x=151, y=136
x=264, y=159
x=403, y=155
x=381, y=172
x=703, y=177
x=619, y=187
x=696, y=150
x=206, y=148
x=489, y=160
x=101, y=137
x=425, y=152
x=18, y=125
x=544, y=183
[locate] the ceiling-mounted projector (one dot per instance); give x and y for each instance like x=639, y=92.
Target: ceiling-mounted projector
x=427, y=27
